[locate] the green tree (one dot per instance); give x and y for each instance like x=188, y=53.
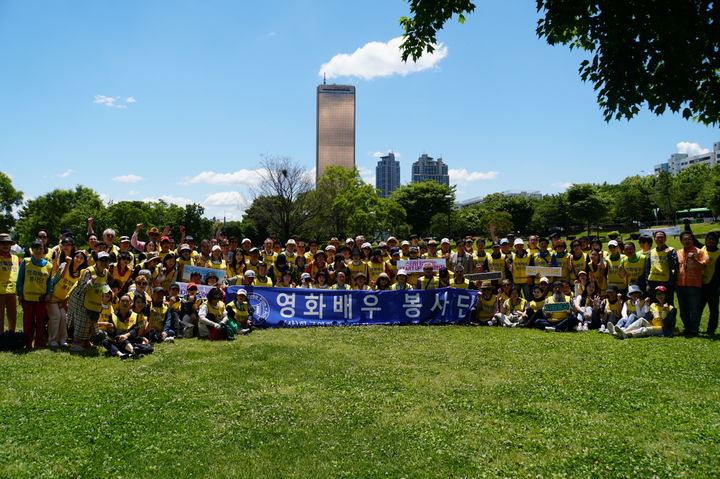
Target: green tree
x=663, y=195
x=57, y=210
x=520, y=208
x=421, y=201
x=632, y=200
x=636, y=49
x=586, y=204
x=347, y=206
x=9, y=198
x=551, y=211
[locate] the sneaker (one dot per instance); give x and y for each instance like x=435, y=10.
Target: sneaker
x=123, y=356
x=620, y=333
x=603, y=329
x=612, y=329
x=245, y=331
x=549, y=328
x=54, y=344
x=169, y=339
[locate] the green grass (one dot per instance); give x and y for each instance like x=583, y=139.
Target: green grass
x=369, y=402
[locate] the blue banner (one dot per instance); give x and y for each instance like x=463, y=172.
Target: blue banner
x=296, y=307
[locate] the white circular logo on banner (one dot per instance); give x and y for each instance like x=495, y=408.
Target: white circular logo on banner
x=260, y=305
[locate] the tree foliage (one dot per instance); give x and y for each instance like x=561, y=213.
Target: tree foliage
x=661, y=54
x=586, y=204
x=9, y=199
x=421, y=201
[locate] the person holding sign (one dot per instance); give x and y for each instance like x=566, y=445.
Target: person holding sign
x=557, y=311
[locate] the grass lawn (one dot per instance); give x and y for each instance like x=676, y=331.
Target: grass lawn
x=369, y=402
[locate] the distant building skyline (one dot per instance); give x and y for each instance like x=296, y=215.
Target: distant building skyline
x=335, y=129
x=428, y=168
x=681, y=161
x=387, y=175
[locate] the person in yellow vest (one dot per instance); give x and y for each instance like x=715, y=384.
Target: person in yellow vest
x=239, y=314
x=542, y=257
x=401, y=283
x=361, y=282
x=34, y=286
x=86, y=302
x=383, y=282
x=513, y=312
x=597, y=270
x=633, y=268
x=376, y=266
x=125, y=248
x=212, y=316
x=661, y=267
x=634, y=307
x=428, y=279
x=9, y=267
x=341, y=281
x=267, y=255
x=659, y=321
x=711, y=281
x=560, y=260
x=495, y=262
x=123, y=326
x=459, y=280
x=66, y=274
x=122, y=270
x=612, y=307
x=105, y=318
x=562, y=320
x=158, y=327
x=487, y=306
x=589, y=306
x=517, y=263
x=614, y=261
x=535, y=306
x=645, y=243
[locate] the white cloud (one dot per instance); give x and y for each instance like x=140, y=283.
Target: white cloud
x=66, y=173
x=691, y=149
x=113, y=102
x=128, y=178
x=133, y=192
x=227, y=198
x=378, y=154
x=378, y=59
x=563, y=185
x=240, y=177
x=460, y=176
x=270, y=34
x=367, y=175
x=7, y=174
x=177, y=200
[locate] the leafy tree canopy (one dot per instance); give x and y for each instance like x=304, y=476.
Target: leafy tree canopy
x=661, y=54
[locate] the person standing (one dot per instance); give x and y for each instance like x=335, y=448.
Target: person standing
x=9, y=266
x=33, y=287
x=660, y=267
x=711, y=281
x=691, y=264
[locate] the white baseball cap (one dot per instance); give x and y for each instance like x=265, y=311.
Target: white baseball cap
x=612, y=243
x=241, y=291
x=444, y=241
x=518, y=241
x=290, y=241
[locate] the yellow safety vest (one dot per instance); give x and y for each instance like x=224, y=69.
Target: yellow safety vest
x=659, y=267
x=65, y=284
x=36, y=278
x=519, y=266
x=93, y=293
x=9, y=268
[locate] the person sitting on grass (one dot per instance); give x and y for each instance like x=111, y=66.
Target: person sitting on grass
x=383, y=282
x=612, y=308
x=534, y=309
x=159, y=317
x=560, y=321
x=401, y=283
x=212, y=316
x=486, y=307
x=239, y=314
x=513, y=311
x=190, y=305
x=633, y=309
x=589, y=305
x=660, y=322
x=123, y=330
x=361, y=282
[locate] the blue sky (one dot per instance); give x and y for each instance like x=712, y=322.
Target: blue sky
x=179, y=100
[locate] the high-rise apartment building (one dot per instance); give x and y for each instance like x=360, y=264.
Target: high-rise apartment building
x=335, y=127
x=427, y=168
x=680, y=161
x=387, y=175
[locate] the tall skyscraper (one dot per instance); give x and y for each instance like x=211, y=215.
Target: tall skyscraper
x=335, y=127
x=387, y=175
x=427, y=168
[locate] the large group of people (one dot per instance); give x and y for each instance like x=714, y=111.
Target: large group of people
x=125, y=293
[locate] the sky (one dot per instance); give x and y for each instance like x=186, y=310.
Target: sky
x=180, y=100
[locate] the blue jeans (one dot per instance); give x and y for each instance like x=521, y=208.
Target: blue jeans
x=690, y=303
x=625, y=322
